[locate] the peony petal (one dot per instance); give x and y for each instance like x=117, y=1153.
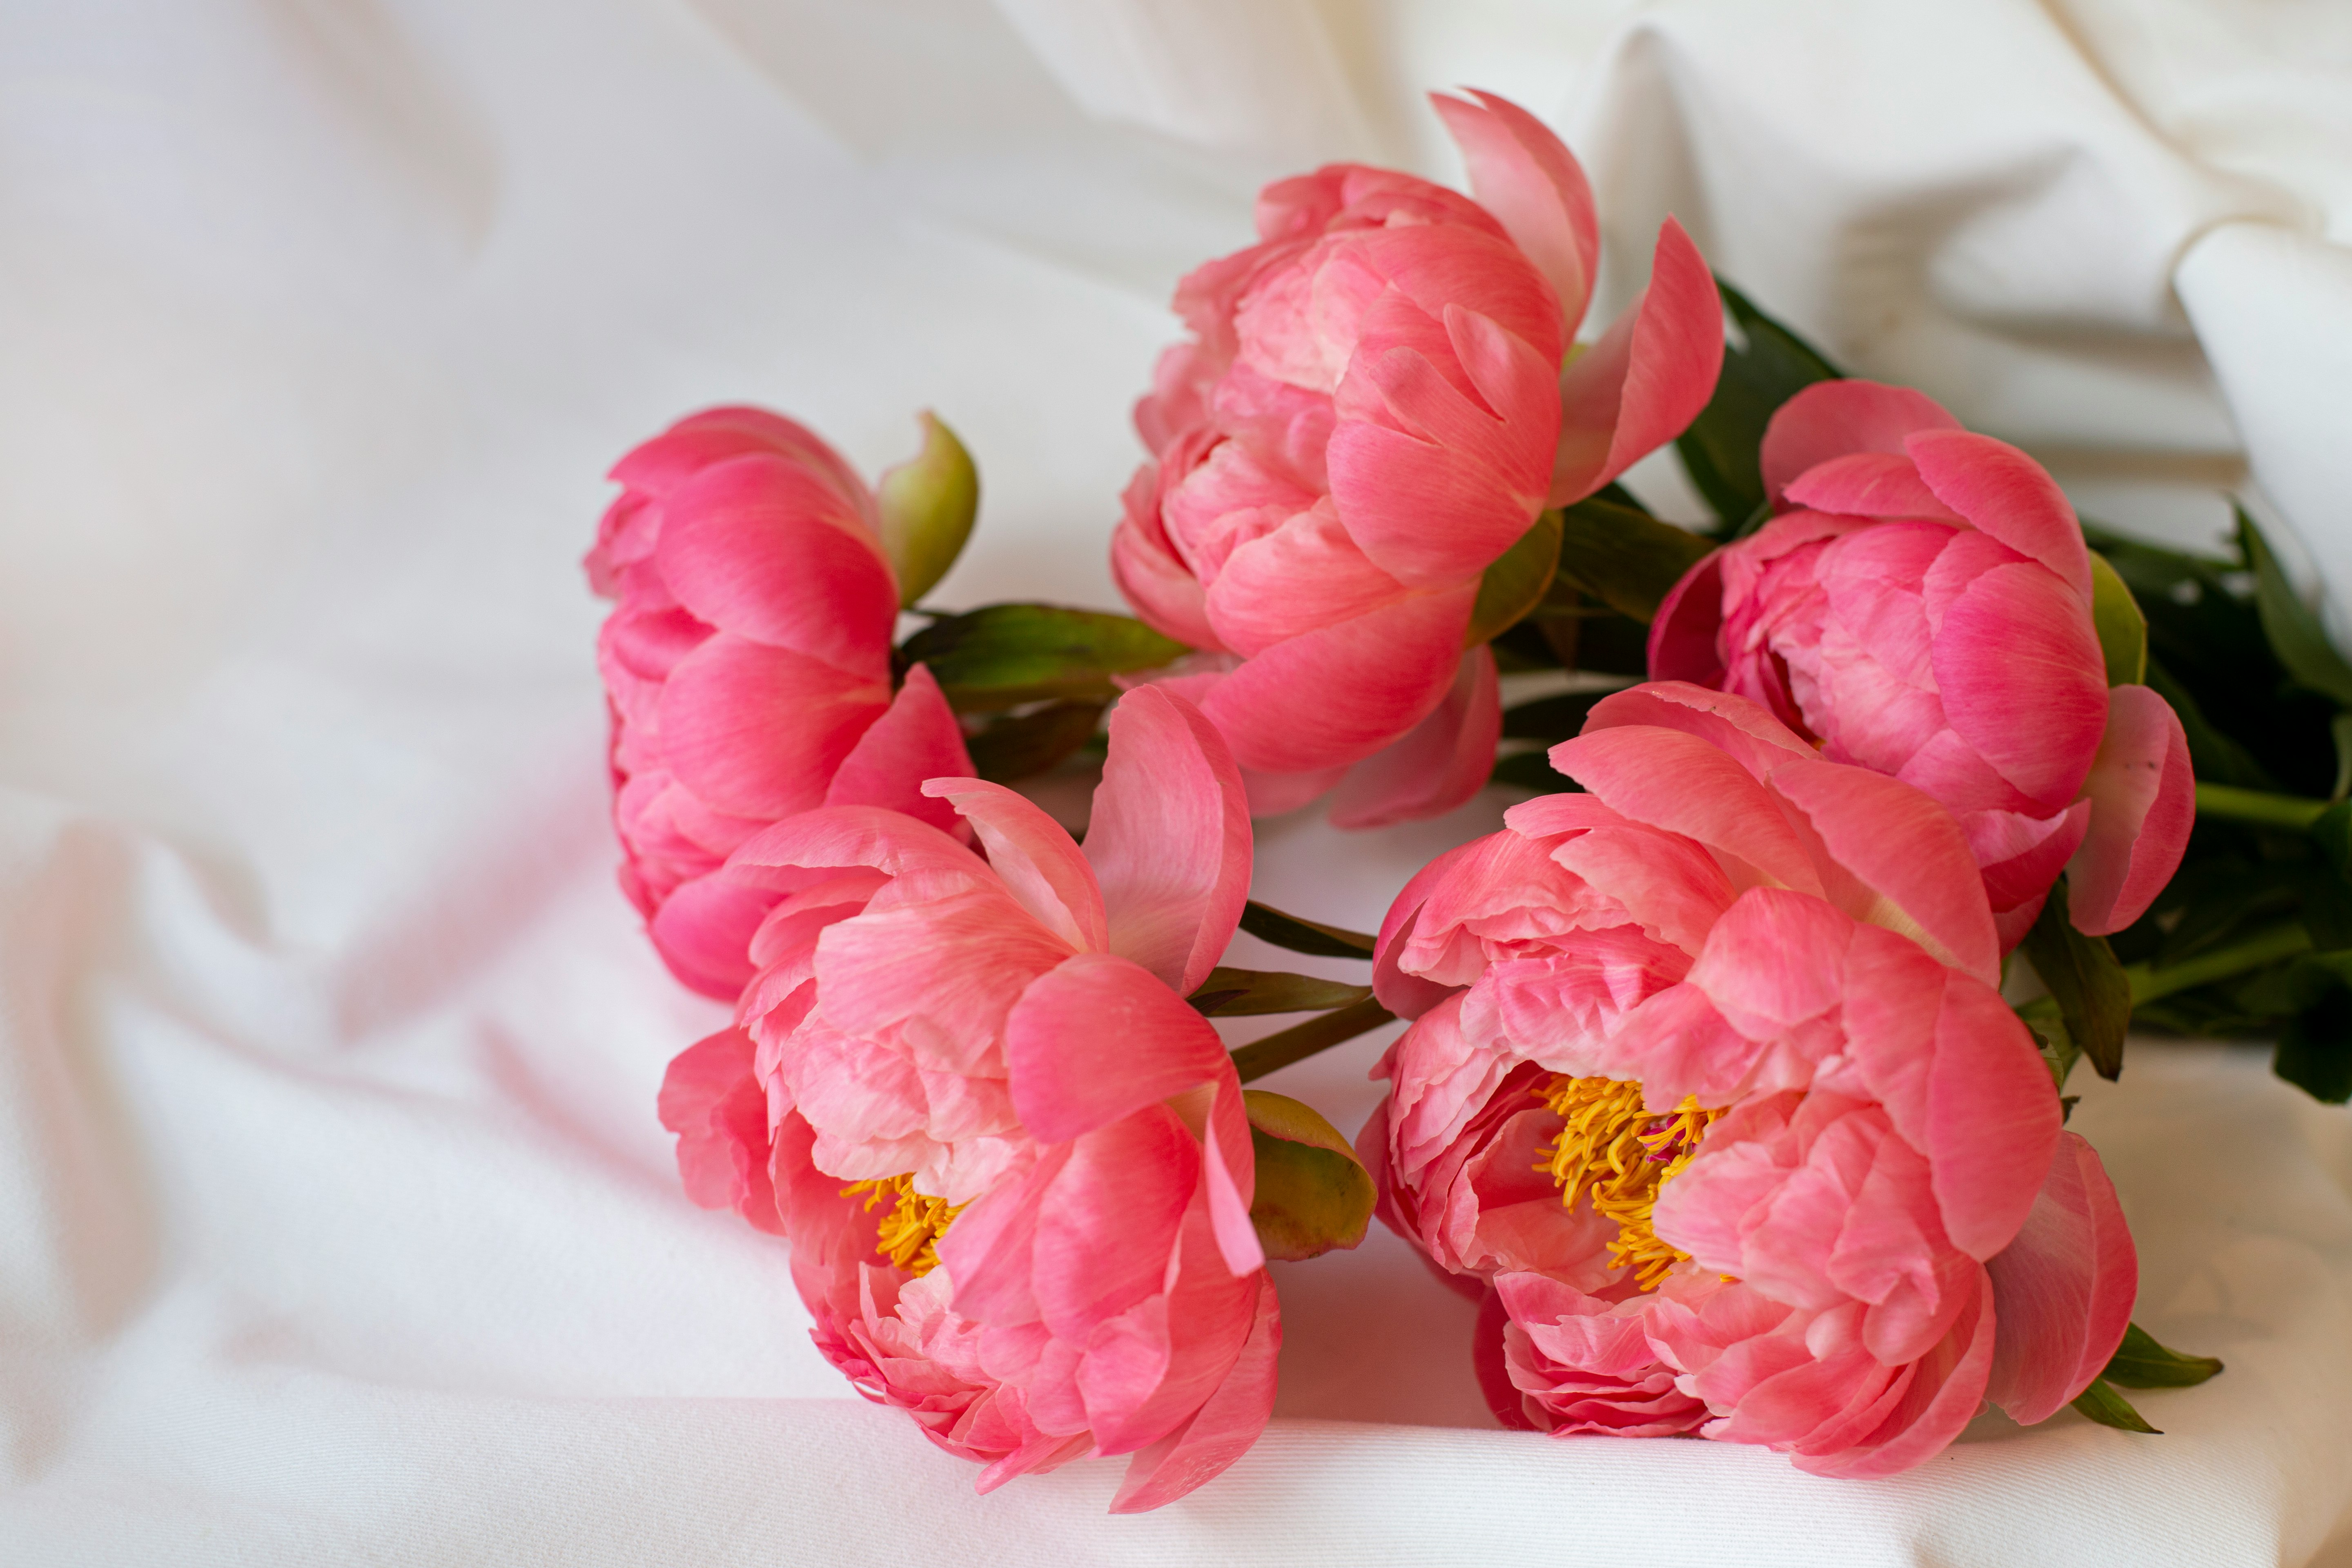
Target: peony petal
x=2022, y=681
x=1429, y=514
x=916, y=739
x=2143, y=804
x=1868, y=484
x=1170, y=838
x=1678, y=782
x=1100, y=1037
x=757, y=731
x=1035, y=855
x=1337, y=695
x=2008, y=495
x=1946, y=1387
x=1442, y=762
x=1296, y=578
x=1734, y=725
x=891, y=842
x=1227, y=1423
x=1523, y=175
x=1831, y=418
x=1895, y=859
x=1646, y=379
x=2064, y=1289
x=762, y=547
x=720, y=1112
x=1683, y=635
x=703, y=932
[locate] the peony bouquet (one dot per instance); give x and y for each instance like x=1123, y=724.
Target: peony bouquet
x=1731, y=1077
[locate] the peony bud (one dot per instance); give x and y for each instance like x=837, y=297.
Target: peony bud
x=927, y=503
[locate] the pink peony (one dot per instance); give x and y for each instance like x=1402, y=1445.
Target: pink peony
x=1067, y=1265
x=747, y=667
x=1922, y=607
x=1710, y=1059
x=1372, y=410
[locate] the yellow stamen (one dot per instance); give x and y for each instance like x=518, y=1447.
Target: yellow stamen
x=910, y=1234
x=1621, y=1153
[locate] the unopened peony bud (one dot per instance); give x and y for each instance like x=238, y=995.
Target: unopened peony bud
x=928, y=504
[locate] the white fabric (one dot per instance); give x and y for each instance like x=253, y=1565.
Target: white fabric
x=334, y=1221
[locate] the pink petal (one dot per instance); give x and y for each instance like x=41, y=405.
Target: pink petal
x=1946, y=1389
x=720, y=1112
x=1646, y=379
x=1110, y=1220
x=2008, y=495
x=1831, y=418
x=1522, y=174
x=2143, y=804
x=1898, y=861
x=762, y=547
x=1097, y=1038
x=839, y=836
x=1678, y=782
x=2024, y=875
x=1444, y=760
x=1868, y=484
x=2064, y=1289
x=1961, y=1081
x=2022, y=681
x=1734, y=725
x=1774, y=961
x=1041, y=865
x=1406, y=995
x=757, y=731
x=703, y=932
x=1435, y=509
x=1227, y=1423
x=1337, y=695
x=916, y=739
x=1683, y=637
x=1170, y=838
x=1303, y=574
x=1163, y=589
x=1230, y=1164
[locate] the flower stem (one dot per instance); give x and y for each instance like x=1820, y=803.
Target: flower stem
x=1300, y=1041
x=2258, y=806
x=2264, y=947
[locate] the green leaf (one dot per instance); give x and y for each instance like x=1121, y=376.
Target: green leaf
x=2332, y=833
x=2102, y=1404
x=1515, y=583
x=926, y=504
x=1626, y=559
x=2141, y=1362
x=2123, y=630
x=1299, y=1041
x=2059, y=1052
x=1551, y=718
x=2315, y=1049
x=1764, y=365
x=2296, y=634
x=1016, y=746
x=1532, y=770
x=1003, y=656
x=2092, y=994
x=1313, y=1197
x=1271, y=925
x=1243, y=993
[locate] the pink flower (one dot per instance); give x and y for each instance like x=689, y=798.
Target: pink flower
x=1710, y=1059
x=748, y=668
x=1068, y=1265
x=1922, y=607
x=1372, y=410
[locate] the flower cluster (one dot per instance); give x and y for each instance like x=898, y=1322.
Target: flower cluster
x=1707, y=1092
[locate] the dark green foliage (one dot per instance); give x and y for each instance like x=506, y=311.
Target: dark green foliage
x=1764, y=365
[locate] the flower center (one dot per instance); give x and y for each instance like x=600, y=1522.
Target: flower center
x=910, y=1235
x=1621, y=1154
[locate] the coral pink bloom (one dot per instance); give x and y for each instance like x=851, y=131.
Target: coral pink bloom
x=929, y=1026
x=1372, y=409
x=1709, y=1060
x=1922, y=607
x=747, y=666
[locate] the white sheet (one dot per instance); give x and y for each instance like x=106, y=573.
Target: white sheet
x=334, y=1221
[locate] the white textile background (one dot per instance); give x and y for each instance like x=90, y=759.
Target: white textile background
x=334, y=1221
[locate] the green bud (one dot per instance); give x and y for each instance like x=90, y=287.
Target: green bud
x=928, y=505
x=1515, y=583
x=1312, y=1194
x=2123, y=630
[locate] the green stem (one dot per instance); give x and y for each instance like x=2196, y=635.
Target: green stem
x=2258, y=806
x=1300, y=1041
x=2265, y=947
